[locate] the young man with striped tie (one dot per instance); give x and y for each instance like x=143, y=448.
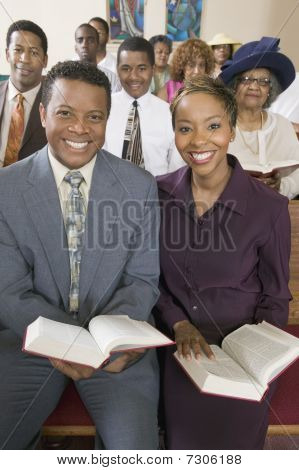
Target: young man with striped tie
x=139, y=128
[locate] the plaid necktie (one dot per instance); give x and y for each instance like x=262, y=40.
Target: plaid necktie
x=132, y=148
x=75, y=224
x=16, y=131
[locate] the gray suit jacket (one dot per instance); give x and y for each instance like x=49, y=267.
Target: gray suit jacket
x=34, y=136
x=120, y=265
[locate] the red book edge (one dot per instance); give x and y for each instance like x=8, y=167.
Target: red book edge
x=231, y=396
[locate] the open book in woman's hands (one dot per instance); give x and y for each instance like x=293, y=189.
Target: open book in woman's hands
x=107, y=334
x=249, y=359
x=260, y=170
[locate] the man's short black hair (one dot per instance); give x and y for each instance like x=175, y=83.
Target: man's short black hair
x=136, y=44
x=26, y=25
x=161, y=38
x=94, y=31
x=75, y=70
x=102, y=21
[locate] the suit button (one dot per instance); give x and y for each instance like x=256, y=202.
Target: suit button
x=194, y=307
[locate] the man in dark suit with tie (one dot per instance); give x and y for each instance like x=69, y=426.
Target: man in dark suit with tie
x=26, y=52
x=52, y=267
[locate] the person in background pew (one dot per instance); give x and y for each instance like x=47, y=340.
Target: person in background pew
x=162, y=48
x=258, y=73
x=21, y=131
x=86, y=46
x=191, y=58
x=224, y=255
x=139, y=126
x=104, y=58
x=223, y=49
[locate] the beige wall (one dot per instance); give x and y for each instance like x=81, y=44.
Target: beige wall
x=243, y=19
x=248, y=20
x=58, y=18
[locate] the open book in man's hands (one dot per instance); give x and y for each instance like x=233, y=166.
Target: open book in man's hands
x=269, y=169
x=107, y=334
x=248, y=360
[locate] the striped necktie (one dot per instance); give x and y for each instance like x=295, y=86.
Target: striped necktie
x=75, y=212
x=15, y=133
x=132, y=148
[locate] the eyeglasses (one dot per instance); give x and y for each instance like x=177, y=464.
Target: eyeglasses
x=263, y=82
x=226, y=47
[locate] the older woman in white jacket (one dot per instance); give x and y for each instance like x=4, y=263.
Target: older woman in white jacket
x=258, y=73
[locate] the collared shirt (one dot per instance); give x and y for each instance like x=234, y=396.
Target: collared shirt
x=277, y=141
x=109, y=62
x=158, y=147
x=112, y=77
x=64, y=188
x=10, y=102
x=229, y=266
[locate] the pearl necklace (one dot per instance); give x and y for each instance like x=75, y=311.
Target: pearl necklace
x=246, y=143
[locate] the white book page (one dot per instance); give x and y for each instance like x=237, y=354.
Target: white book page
x=222, y=376
x=224, y=366
x=119, y=331
x=269, y=166
x=62, y=341
x=277, y=334
x=255, y=352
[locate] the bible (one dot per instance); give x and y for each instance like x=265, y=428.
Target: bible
x=249, y=359
x=269, y=169
x=107, y=334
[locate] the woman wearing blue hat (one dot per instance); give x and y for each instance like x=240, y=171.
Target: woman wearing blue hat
x=258, y=73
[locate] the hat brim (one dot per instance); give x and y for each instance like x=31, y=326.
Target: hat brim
x=278, y=63
x=224, y=41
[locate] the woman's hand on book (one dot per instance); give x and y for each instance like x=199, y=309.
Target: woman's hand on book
x=124, y=361
x=188, y=338
x=74, y=371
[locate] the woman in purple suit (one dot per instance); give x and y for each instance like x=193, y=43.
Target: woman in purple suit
x=225, y=245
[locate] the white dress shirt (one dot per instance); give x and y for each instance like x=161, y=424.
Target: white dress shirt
x=158, y=147
x=10, y=102
x=275, y=142
x=112, y=77
x=109, y=62
x=63, y=187
x=287, y=103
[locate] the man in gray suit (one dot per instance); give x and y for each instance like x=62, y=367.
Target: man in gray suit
x=118, y=267
x=26, y=52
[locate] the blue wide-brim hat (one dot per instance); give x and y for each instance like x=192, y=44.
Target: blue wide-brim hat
x=260, y=54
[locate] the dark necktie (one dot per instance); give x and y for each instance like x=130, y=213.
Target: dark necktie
x=75, y=226
x=132, y=148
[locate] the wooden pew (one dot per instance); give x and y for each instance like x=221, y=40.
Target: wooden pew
x=284, y=408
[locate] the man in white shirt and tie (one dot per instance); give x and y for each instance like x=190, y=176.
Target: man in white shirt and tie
x=26, y=53
x=135, y=65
